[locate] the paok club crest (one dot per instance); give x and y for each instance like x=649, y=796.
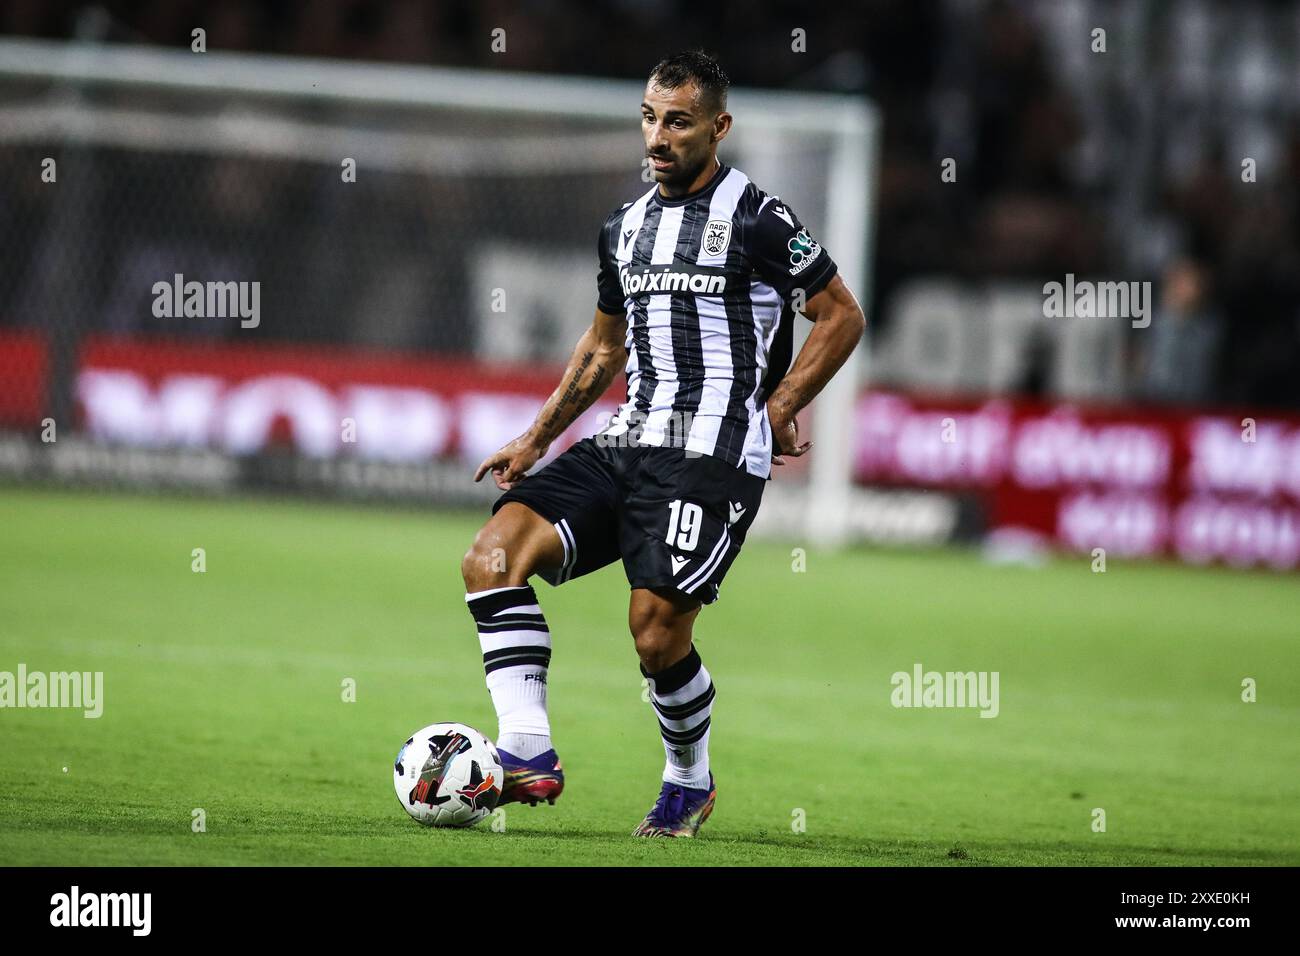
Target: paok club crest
x=717, y=233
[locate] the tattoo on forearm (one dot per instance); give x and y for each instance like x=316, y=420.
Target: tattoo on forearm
x=576, y=397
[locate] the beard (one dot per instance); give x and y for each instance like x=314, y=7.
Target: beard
x=680, y=175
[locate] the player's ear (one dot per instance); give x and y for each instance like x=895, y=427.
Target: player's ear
x=721, y=126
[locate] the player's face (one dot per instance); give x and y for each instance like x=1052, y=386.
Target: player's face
x=680, y=134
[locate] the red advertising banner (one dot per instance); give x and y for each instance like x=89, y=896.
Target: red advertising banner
x=1201, y=486
x=321, y=402
x=24, y=366
x=1137, y=482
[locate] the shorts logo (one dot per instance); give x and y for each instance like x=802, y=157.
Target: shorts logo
x=679, y=563
x=737, y=512
x=717, y=234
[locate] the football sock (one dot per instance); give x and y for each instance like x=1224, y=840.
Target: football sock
x=682, y=696
x=524, y=746
x=516, y=648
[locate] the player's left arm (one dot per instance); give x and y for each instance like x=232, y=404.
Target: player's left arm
x=786, y=256
x=838, y=324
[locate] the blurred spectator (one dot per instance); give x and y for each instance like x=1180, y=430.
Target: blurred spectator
x=1180, y=348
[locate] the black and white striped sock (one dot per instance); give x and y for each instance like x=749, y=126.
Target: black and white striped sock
x=516, y=648
x=682, y=696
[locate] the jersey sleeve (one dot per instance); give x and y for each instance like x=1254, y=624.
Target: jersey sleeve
x=784, y=253
x=609, y=290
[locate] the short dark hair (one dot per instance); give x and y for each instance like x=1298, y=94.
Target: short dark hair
x=698, y=67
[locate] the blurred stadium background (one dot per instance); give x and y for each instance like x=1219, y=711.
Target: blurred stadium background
x=432, y=300
x=412, y=320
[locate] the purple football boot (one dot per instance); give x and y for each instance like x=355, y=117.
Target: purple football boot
x=530, y=781
x=678, y=812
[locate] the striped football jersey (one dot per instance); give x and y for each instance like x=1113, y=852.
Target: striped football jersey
x=709, y=283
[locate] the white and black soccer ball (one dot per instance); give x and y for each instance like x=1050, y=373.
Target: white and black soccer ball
x=448, y=775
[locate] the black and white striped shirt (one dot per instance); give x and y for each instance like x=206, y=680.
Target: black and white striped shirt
x=709, y=283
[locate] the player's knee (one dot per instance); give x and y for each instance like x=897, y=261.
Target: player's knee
x=659, y=634
x=657, y=650
x=487, y=564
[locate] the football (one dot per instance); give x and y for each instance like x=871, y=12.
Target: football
x=448, y=775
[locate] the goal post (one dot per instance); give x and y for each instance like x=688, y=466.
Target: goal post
x=493, y=180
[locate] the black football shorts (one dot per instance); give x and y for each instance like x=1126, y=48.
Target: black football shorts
x=677, y=520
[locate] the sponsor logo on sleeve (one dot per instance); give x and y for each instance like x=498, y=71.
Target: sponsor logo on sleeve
x=804, y=250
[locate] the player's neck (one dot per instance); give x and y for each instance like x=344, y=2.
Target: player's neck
x=699, y=182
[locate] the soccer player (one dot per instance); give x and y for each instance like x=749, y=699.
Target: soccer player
x=699, y=282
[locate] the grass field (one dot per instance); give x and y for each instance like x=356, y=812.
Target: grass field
x=1119, y=691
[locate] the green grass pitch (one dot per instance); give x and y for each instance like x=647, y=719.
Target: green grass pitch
x=223, y=691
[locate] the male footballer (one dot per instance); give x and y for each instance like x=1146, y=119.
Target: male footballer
x=699, y=282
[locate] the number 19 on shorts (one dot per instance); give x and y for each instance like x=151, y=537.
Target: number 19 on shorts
x=685, y=519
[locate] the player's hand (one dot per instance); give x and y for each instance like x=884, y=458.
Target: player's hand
x=511, y=463
x=785, y=437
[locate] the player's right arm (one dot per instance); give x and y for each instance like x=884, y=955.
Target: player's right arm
x=597, y=358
